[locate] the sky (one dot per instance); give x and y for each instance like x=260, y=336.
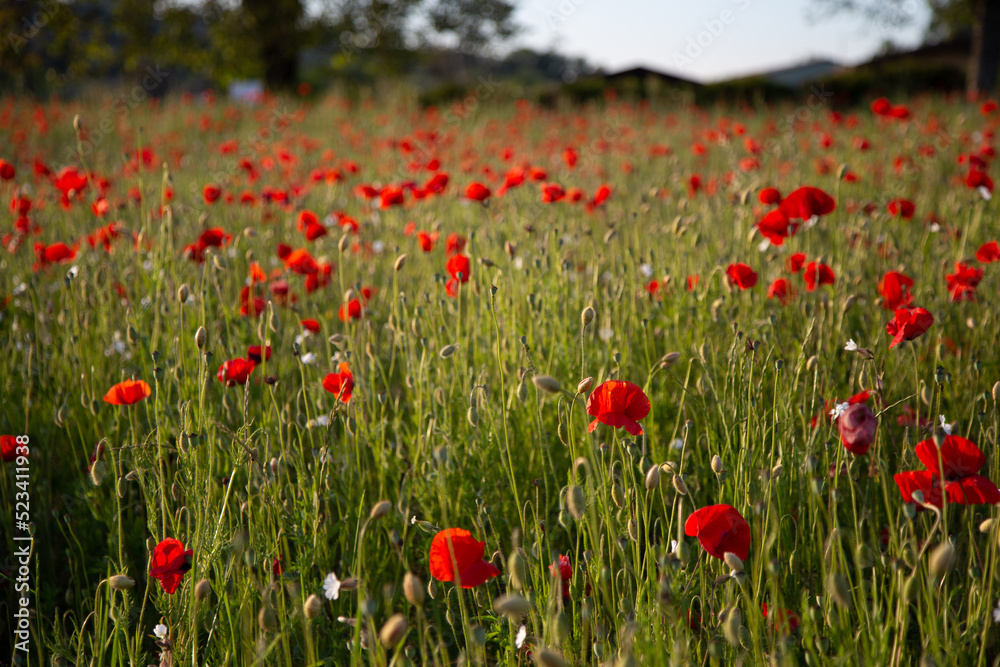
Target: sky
x=707, y=40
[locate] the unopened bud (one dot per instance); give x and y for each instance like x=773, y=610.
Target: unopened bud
x=679, y=485
x=266, y=619
x=313, y=607
x=576, y=501
x=379, y=510
x=202, y=590
x=717, y=466
x=413, y=589
x=733, y=561
x=201, y=337
x=518, y=570
x=511, y=605
x=653, y=478
x=587, y=316
x=585, y=385
x=547, y=383
x=120, y=582
x=942, y=559
x=393, y=631
x=399, y=263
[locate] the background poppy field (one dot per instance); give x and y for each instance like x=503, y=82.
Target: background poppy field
x=335, y=371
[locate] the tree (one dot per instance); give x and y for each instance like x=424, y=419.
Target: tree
x=949, y=17
x=477, y=24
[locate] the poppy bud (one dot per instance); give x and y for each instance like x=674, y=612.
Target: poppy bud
x=547, y=383
x=400, y=262
x=393, y=631
x=679, y=485
x=560, y=627
x=512, y=605
x=522, y=391
x=447, y=351
x=617, y=495
x=811, y=363
x=549, y=658
x=202, y=590
x=576, y=501
x=585, y=385
x=379, y=510
x=986, y=526
x=273, y=323
x=668, y=360
x=942, y=559
x=266, y=619
x=518, y=569
x=200, y=337
x=472, y=416
x=717, y=466
x=413, y=589
x=633, y=530
x=996, y=392
x=120, y=582
x=313, y=607
x=77, y=124
x=97, y=472
x=857, y=426
x=838, y=589
x=911, y=588
x=587, y=316
x=431, y=589
x=653, y=478
x=732, y=625
x=733, y=561
x=183, y=292
x=344, y=243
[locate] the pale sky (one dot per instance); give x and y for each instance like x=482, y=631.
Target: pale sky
x=706, y=40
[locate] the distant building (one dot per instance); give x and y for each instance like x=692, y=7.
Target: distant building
x=643, y=75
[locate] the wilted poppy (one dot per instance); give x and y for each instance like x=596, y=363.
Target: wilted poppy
x=618, y=403
x=236, y=371
x=169, y=563
x=741, y=275
x=857, y=425
x=720, y=529
x=457, y=556
x=340, y=384
x=127, y=392
x=909, y=323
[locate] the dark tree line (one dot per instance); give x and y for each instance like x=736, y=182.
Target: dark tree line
x=49, y=41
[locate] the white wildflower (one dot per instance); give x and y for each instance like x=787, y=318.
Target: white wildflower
x=838, y=410
x=331, y=587
x=523, y=632
x=945, y=427
x=851, y=346
x=160, y=631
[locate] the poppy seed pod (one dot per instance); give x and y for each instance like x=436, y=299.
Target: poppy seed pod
x=413, y=589
x=379, y=510
x=393, y=631
x=576, y=501
x=587, y=316
x=120, y=582
x=547, y=383
x=312, y=607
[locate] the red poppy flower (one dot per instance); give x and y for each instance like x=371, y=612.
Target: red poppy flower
x=8, y=448
x=720, y=529
x=618, y=403
x=903, y=208
x=741, y=275
x=909, y=323
x=806, y=202
x=53, y=254
x=857, y=426
x=988, y=253
x=300, y=261
x=895, y=290
x=769, y=196
x=276, y=568
x=211, y=193
x=458, y=268
x=979, y=179
x=776, y=227
x=251, y=305
x=350, y=310
x=340, y=384
x=127, y=392
x=552, y=192
x=959, y=465
x=437, y=183
x=692, y=282
x=312, y=326
x=818, y=274
x=795, y=261
x=236, y=371
x=7, y=171
x=391, y=196
x=600, y=196
x=256, y=354
x=169, y=563
x=783, y=619
x=427, y=240
x=563, y=571
x=454, y=244
x=467, y=565
x=477, y=192
x=963, y=282
x=781, y=289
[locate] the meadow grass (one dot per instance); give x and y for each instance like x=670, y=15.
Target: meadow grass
x=445, y=422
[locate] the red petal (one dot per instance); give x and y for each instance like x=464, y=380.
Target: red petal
x=960, y=456
x=478, y=573
x=973, y=490
x=467, y=551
